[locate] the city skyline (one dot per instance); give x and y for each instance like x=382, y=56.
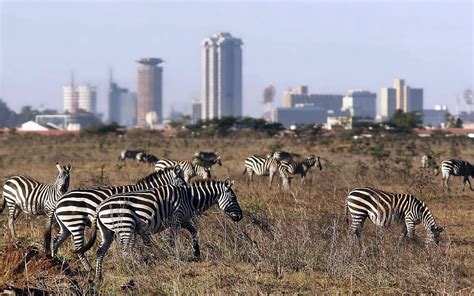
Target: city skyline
x=331, y=47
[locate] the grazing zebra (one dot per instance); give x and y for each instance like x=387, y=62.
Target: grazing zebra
x=146, y=158
x=124, y=154
x=282, y=155
x=288, y=168
x=152, y=211
x=76, y=209
x=22, y=194
x=382, y=208
x=207, y=159
x=428, y=161
x=456, y=167
x=261, y=166
x=188, y=168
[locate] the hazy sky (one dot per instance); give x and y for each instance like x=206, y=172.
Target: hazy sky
x=330, y=46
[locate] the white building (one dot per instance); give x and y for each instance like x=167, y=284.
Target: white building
x=435, y=117
x=360, y=104
x=87, y=98
x=221, y=76
x=70, y=98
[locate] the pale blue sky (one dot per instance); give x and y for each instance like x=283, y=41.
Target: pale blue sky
x=330, y=46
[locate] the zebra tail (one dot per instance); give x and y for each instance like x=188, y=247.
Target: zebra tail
x=437, y=171
x=4, y=203
x=92, y=239
x=346, y=213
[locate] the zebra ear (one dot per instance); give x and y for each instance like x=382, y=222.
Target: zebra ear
x=69, y=166
x=228, y=183
x=58, y=166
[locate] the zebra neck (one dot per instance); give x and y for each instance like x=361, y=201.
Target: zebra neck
x=427, y=218
x=202, y=198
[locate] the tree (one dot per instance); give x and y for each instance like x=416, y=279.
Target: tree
x=8, y=118
x=404, y=120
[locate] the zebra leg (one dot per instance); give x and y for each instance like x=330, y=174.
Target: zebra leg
x=251, y=176
x=410, y=228
x=107, y=238
x=272, y=174
x=191, y=227
x=357, y=224
x=78, y=238
x=403, y=234
x=47, y=233
x=13, y=213
x=59, y=239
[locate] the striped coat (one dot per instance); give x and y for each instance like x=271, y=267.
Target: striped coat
x=456, y=167
x=189, y=169
x=77, y=209
x=152, y=211
x=23, y=194
x=383, y=208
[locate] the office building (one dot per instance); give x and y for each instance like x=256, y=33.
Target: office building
x=70, y=99
x=436, y=117
x=299, y=114
x=196, y=111
x=122, y=106
x=87, y=98
x=388, y=103
x=150, y=90
x=360, y=104
x=300, y=95
x=403, y=96
x=221, y=76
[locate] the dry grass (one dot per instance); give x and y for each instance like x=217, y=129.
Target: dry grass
x=288, y=242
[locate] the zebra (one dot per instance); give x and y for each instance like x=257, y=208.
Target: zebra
x=288, y=168
x=382, y=208
x=282, y=155
x=456, y=167
x=146, y=158
x=261, y=166
x=207, y=159
x=23, y=194
x=76, y=209
x=124, y=154
x=189, y=169
x=152, y=211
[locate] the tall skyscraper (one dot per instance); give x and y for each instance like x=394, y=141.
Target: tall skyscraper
x=388, y=102
x=70, y=98
x=196, y=111
x=150, y=90
x=401, y=96
x=221, y=76
x=122, y=105
x=87, y=98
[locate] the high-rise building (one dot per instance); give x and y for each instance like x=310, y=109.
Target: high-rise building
x=87, y=98
x=401, y=96
x=360, y=104
x=122, y=106
x=70, y=99
x=150, y=90
x=388, y=102
x=196, y=111
x=221, y=76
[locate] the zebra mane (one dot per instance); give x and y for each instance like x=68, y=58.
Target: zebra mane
x=201, y=182
x=153, y=175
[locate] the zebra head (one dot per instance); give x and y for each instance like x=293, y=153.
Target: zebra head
x=218, y=160
x=313, y=161
x=434, y=234
x=318, y=163
x=168, y=176
x=227, y=201
x=62, y=180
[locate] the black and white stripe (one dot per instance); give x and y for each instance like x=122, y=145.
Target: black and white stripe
x=188, y=168
x=382, y=208
x=23, y=194
x=76, y=209
x=457, y=167
x=288, y=168
x=146, y=158
x=152, y=211
x=207, y=159
x=124, y=154
x=261, y=166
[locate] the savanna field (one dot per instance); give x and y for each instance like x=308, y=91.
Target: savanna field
x=289, y=241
